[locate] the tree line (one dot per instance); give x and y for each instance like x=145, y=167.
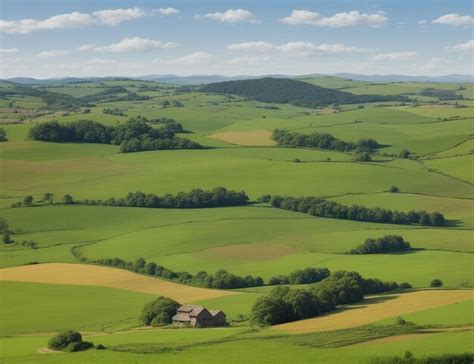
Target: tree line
x=283, y=304
x=287, y=138
x=196, y=198
x=220, y=280
x=320, y=207
x=385, y=244
x=133, y=136
x=301, y=276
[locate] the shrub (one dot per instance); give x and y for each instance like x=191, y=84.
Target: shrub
x=436, y=283
x=394, y=189
x=405, y=285
x=159, y=312
x=68, y=200
x=69, y=341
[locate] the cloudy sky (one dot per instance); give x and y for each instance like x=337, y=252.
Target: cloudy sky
x=56, y=38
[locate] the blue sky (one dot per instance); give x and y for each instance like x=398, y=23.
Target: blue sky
x=52, y=38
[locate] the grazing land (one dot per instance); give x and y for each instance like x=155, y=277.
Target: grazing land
x=66, y=210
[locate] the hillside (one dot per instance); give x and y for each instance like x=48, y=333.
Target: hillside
x=282, y=90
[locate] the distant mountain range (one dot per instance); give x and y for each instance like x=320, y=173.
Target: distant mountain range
x=206, y=79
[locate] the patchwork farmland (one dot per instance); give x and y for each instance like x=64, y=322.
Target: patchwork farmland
x=96, y=226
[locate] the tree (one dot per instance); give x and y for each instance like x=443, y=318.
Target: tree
x=436, y=283
x=68, y=200
x=48, y=197
x=28, y=201
x=159, y=312
x=363, y=157
x=394, y=189
x=3, y=135
x=6, y=236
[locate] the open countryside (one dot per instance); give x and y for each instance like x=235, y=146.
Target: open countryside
x=318, y=209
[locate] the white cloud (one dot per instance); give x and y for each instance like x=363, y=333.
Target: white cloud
x=395, y=56
x=85, y=47
x=352, y=18
x=24, y=26
x=114, y=17
x=233, y=16
x=296, y=48
x=464, y=47
x=136, y=44
x=167, y=11
x=52, y=53
x=465, y=21
x=188, y=60
x=251, y=46
x=110, y=17
x=8, y=50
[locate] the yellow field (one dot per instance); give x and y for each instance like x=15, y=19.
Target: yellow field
x=91, y=275
x=253, y=137
x=378, y=308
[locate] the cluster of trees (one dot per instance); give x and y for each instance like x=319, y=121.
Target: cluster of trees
x=132, y=136
x=385, y=244
x=197, y=198
x=220, y=280
x=174, y=103
x=320, y=207
x=3, y=135
x=159, y=311
x=5, y=231
x=283, y=90
x=284, y=304
x=70, y=341
x=301, y=276
x=170, y=124
x=322, y=141
x=441, y=94
x=115, y=112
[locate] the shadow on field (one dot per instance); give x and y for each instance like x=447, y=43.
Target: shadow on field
x=453, y=223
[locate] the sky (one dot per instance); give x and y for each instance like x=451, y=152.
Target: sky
x=58, y=38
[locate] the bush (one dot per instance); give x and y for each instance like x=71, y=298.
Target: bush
x=69, y=341
x=100, y=347
x=405, y=285
x=394, y=189
x=436, y=283
x=159, y=312
x=303, y=276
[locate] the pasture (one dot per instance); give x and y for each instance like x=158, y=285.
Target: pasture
x=104, y=303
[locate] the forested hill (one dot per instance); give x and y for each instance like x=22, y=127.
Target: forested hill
x=283, y=90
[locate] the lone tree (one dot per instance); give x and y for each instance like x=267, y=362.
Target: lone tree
x=394, y=189
x=68, y=200
x=5, y=230
x=28, y=201
x=159, y=312
x=48, y=197
x=436, y=283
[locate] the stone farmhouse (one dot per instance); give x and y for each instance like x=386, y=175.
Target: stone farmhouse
x=198, y=316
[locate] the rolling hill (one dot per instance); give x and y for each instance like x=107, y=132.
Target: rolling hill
x=282, y=90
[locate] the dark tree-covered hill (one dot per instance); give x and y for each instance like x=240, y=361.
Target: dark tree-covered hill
x=283, y=90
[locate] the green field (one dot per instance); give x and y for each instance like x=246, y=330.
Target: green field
x=255, y=239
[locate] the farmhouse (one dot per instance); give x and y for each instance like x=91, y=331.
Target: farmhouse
x=198, y=316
